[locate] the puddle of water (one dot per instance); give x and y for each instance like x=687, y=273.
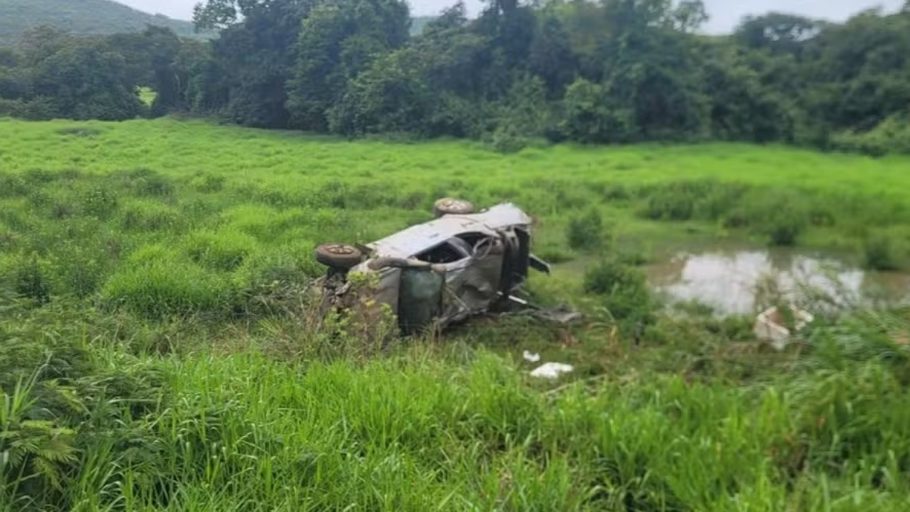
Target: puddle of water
x=730, y=280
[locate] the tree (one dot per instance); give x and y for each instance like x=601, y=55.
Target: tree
x=339, y=40
x=87, y=81
x=8, y=58
x=254, y=53
x=858, y=71
x=551, y=57
x=150, y=58
x=780, y=33
x=741, y=107
x=689, y=15
x=222, y=14
x=390, y=96
x=590, y=116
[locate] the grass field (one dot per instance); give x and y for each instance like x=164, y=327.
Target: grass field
x=157, y=351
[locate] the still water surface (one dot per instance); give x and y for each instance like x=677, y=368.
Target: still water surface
x=732, y=280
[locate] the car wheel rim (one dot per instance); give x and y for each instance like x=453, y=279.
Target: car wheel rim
x=340, y=250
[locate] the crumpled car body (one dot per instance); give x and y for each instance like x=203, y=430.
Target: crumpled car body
x=446, y=270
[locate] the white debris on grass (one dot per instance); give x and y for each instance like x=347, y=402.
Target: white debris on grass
x=552, y=370
x=530, y=357
x=770, y=326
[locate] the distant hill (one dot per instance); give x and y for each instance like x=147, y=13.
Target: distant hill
x=81, y=17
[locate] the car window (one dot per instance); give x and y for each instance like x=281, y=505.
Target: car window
x=447, y=252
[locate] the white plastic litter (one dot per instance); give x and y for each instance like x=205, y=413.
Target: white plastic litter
x=769, y=326
x=552, y=370
x=530, y=357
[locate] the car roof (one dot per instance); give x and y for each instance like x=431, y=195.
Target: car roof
x=416, y=239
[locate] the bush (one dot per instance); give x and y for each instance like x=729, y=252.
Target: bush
x=156, y=283
x=591, y=118
x=31, y=281
x=152, y=184
x=222, y=250
x=671, y=203
x=37, y=109
x=505, y=139
x=890, y=136
x=684, y=200
x=880, y=252
x=80, y=271
x=785, y=221
x=207, y=183
x=62, y=401
x=779, y=214
x=12, y=186
x=149, y=216
x=625, y=295
x=99, y=202
x=586, y=231
x=275, y=282
x=613, y=191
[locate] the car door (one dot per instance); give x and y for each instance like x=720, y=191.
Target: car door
x=472, y=283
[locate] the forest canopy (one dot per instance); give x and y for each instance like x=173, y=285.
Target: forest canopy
x=610, y=71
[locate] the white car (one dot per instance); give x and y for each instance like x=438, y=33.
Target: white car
x=443, y=271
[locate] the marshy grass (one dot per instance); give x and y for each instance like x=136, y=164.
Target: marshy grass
x=159, y=349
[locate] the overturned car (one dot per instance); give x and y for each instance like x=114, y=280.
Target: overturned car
x=443, y=271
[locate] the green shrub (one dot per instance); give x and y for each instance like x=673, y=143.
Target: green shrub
x=65, y=398
x=86, y=132
x=153, y=184
x=148, y=216
x=890, y=136
x=276, y=281
x=785, y=221
x=30, y=280
x=555, y=255
x=262, y=222
x=8, y=238
x=505, y=139
x=671, y=203
x=684, y=200
x=99, y=202
x=219, y=250
x=716, y=199
x=591, y=116
x=779, y=214
x=81, y=273
x=12, y=186
x=207, y=183
x=157, y=283
x=586, y=231
x=614, y=192
x=625, y=294
x=880, y=252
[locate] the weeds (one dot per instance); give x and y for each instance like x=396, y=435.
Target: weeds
x=880, y=252
x=31, y=282
x=184, y=362
x=586, y=231
x=624, y=294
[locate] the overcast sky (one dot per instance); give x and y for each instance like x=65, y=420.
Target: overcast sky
x=725, y=14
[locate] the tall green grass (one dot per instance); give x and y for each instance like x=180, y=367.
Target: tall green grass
x=425, y=428
x=159, y=349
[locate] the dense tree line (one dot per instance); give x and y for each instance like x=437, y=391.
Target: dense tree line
x=599, y=72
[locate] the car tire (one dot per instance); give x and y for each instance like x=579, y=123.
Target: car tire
x=340, y=256
x=450, y=206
